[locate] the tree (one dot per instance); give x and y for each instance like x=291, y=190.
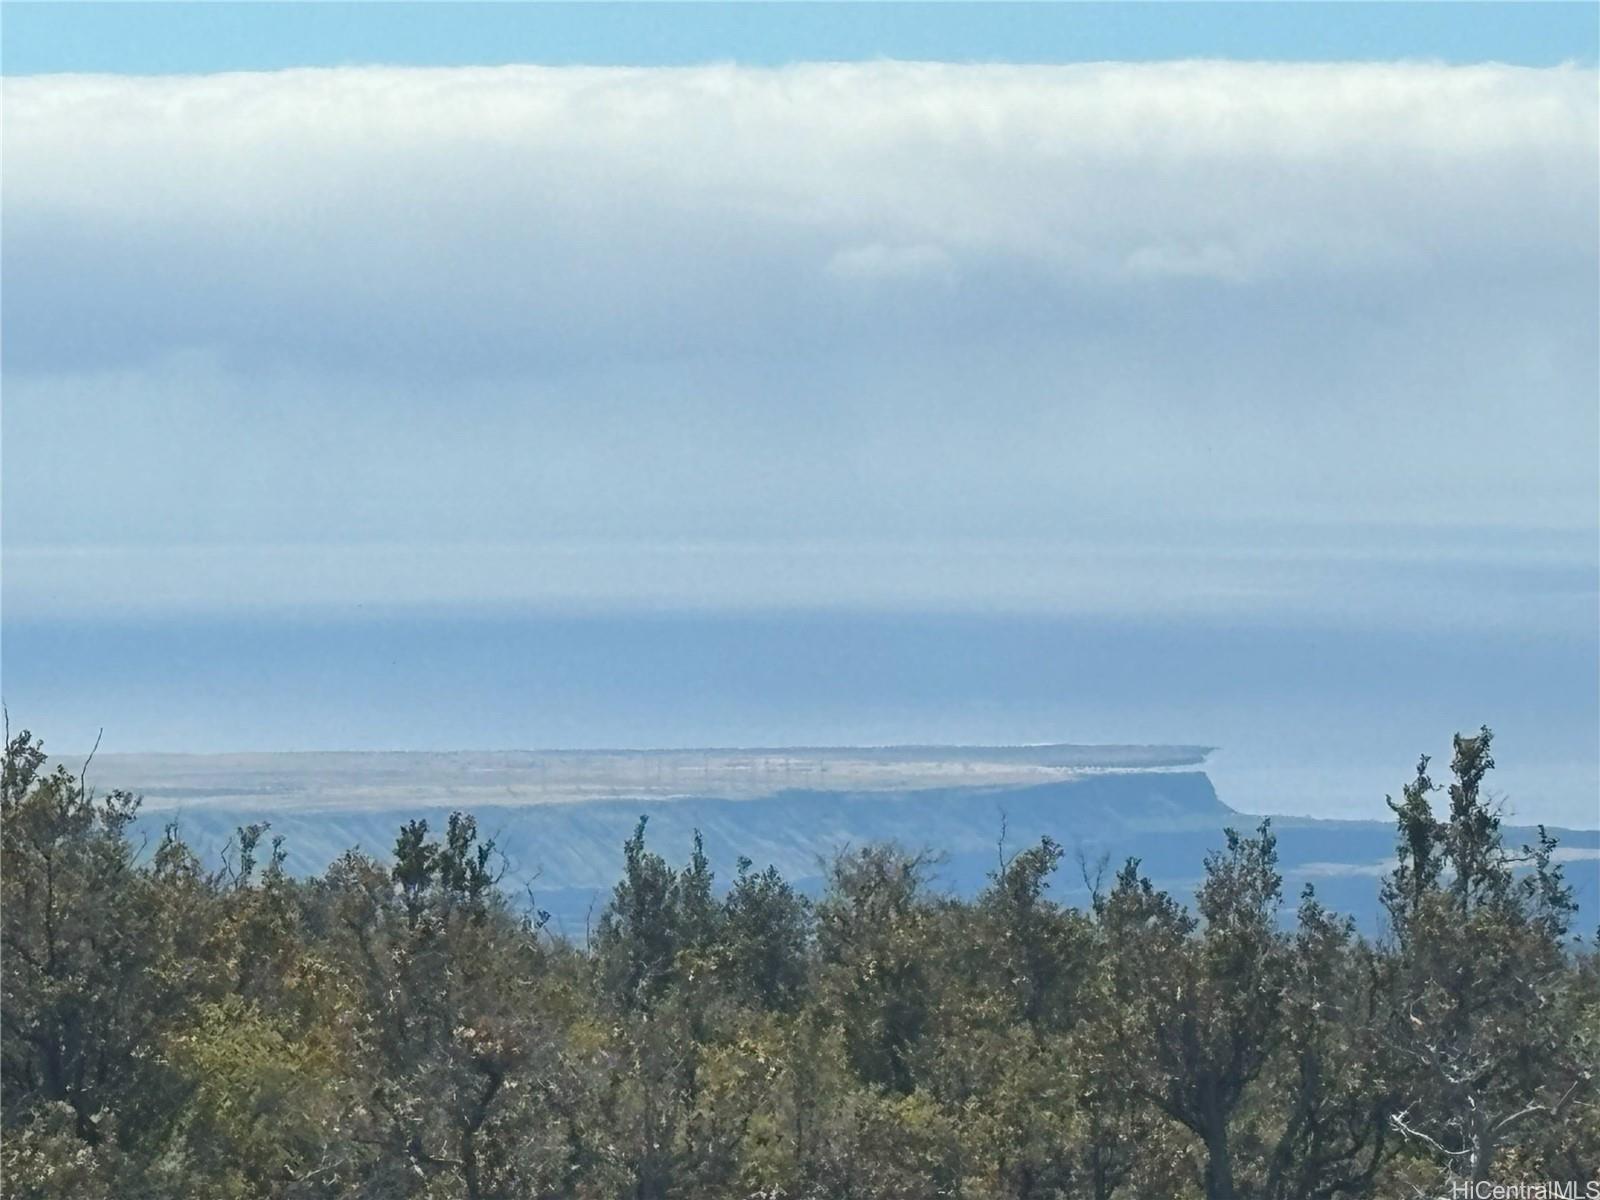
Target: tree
x=1480, y=973
x=1332, y=1093
x=1204, y=1014
x=766, y=937
x=401, y=1028
x=640, y=931
x=1037, y=950
x=872, y=941
x=98, y=965
x=457, y=1066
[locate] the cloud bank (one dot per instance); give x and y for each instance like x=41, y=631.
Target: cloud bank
x=903, y=305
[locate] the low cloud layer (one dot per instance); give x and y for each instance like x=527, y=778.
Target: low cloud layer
x=499, y=312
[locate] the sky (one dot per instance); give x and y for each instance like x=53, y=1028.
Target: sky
x=183, y=38
x=1256, y=341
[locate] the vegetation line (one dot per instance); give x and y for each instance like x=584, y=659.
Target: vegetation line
x=406, y=1028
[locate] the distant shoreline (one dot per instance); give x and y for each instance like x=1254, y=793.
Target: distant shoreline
x=384, y=779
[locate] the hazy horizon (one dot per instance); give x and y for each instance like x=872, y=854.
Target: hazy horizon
x=1289, y=710
x=1092, y=376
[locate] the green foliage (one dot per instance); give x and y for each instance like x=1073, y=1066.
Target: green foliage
x=765, y=938
x=399, y=1029
x=873, y=934
x=264, y=1093
x=1486, y=1020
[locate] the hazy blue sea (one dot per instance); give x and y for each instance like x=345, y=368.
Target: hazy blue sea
x=1308, y=720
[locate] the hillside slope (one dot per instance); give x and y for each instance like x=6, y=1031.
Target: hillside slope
x=561, y=832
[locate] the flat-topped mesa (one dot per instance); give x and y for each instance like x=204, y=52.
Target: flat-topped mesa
x=472, y=779
x=561, y=817
x=768, y=808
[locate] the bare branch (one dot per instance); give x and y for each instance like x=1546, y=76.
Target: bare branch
x=1407, y=1130
x=83, y=771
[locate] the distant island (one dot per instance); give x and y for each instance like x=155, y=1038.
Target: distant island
x=364, y=779
x=559, y=817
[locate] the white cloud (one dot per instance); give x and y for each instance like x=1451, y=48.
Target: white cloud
x=530, y=212
x=858, y=304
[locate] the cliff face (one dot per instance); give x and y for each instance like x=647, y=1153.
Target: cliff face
x=569, y=853
x=572, y=847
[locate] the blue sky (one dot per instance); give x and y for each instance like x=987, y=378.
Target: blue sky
x=1268, y=364
x=177, y=38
